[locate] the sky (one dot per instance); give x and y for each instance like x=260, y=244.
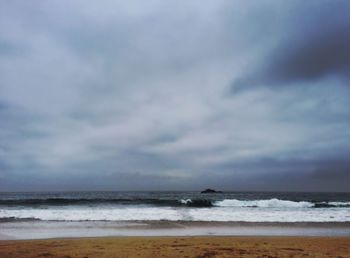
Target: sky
x=175, y=95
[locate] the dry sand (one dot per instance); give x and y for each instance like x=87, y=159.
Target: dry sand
x=179, y=247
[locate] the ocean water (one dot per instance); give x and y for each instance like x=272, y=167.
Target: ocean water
x=175, y=206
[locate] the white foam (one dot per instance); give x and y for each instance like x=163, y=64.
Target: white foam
x=94, y=213
x=271, y=203
x=186, y=201
x=339, y=203
x=130, y=213
x=272, y=215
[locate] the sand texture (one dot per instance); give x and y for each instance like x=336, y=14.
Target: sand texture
x=179, y=247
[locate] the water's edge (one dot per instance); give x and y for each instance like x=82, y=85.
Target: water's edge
x=51, y=229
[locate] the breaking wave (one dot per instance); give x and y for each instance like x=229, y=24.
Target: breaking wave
x=199, y=203
x=272, y=203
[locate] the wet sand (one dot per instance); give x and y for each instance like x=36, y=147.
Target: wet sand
x=25, y=230
x=209, y=246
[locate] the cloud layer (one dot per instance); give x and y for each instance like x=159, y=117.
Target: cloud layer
x=166, y=95
x=313, y=44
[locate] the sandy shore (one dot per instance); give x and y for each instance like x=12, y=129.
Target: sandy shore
x=179, y=247
x=26, y=230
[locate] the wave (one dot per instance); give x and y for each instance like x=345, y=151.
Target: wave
x=99, y=201
x=199, y=203
x=332, y=205
x=85, y=201
x=134, y=213
x=271, y=203
x=340, y=204
x=277, y=203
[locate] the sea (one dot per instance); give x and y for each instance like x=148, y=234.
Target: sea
x=175, y=206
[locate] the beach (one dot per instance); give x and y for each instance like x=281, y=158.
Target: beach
x=205, y=246
x=174, y=129
x=26, y=230
x=174, y=224
x=173, y=239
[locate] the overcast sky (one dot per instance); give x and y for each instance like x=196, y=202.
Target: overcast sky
x=175, y=95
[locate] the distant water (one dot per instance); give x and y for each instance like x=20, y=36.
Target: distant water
x=176, y=206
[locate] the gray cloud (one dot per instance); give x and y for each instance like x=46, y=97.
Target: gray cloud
x=136, y=95
x=313, y=44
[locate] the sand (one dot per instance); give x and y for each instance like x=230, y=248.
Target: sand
x=179, y=247
x=26, y=230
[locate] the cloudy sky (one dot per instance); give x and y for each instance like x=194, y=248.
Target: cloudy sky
x=179, y=95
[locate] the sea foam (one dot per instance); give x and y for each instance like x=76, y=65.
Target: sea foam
x=271, y=203
x=236, y=214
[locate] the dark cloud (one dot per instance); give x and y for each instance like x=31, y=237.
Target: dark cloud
x=118, y=95
x=311, y=175
x=270, y=174
x=314, y=43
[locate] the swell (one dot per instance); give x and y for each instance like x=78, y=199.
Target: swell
x=98, y=201
x=277, y=203
x=199, y=203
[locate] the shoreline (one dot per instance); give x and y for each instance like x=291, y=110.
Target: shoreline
x=194, y=246
x=52, y=229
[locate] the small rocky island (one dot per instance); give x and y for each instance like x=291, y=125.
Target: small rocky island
x=208, y=190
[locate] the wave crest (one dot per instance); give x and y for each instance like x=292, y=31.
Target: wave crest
x=271, y=203
x=196, y=203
